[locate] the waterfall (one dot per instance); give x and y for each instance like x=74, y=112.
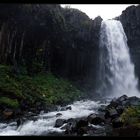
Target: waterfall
x=116, y=71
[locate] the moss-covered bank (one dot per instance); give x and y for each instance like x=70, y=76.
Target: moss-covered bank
x=28, y=93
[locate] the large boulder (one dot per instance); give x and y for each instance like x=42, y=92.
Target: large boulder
x=81, y=123
x=58, y=114
x=111, y=113
x=134, y=101
x=116, y=123
x=122, y=98
x=70, y=127
x=60, y=122
x=95, y=119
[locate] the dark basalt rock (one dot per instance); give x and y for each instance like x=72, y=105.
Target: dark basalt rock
x=134, y=101
x=120, y=109
x=130, y=19
x=81, y=123
x=116, y=123
x=122, y=98
x=111, y=113
x=95, y=119
x=58, y=114
x=102, y=108
x=68, y=108
x=91, y=116
x=59, y=122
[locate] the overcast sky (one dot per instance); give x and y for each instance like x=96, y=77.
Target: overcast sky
x=106, y=11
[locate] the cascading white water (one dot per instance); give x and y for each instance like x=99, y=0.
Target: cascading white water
x=116, y=74
x=46, y=121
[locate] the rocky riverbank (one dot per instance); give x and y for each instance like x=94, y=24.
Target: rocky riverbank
x=119, y=118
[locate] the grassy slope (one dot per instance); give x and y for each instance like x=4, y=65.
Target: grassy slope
x=43, y=87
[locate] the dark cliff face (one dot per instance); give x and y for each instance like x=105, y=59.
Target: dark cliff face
x=47, y=37
x=130, y=19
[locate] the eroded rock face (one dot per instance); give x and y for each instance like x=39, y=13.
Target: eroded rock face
x=64, y=40
x=130, y=19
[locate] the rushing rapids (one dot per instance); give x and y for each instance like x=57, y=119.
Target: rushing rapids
x=45, y=122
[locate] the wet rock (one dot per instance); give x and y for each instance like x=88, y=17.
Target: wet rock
x=91, y=117
x=120, y=109
x=125, y=103
x=102, y=108
x=65, y=108
x=30, y=115
x=122, y=98
x=59, y=122
x=90, y=130
x=116, y=123
x=108, y=129
x=81, y=123
x=108, y=121
x=111, y=113
x=70, y=126
x=53, y=134
x=68, y=108
x=58, y=114
x=76, y=126
x=82, y=130
x=19, y=122
x=95, y=119
x=99, y=132
x=62, y=109
x=113, y=104
x=134, y=101
x=72, y=122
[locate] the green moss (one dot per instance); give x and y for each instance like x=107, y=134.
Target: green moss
x=131, y=116
x=9, y=102
x=8, y=83
x=56, y=90
x=42, y=87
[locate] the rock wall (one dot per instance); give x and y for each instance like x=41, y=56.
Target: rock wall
x=46, y=37
x=130, y=19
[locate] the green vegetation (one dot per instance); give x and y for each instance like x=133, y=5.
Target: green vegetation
x=55, y=90
x=9, y=102
x=43, y=87
x=8, y=83
x=131, y=116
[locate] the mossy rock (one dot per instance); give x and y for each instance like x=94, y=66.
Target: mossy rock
x=131, y=116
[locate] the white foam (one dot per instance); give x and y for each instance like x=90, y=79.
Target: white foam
x=46, y=121
x=117, y=76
